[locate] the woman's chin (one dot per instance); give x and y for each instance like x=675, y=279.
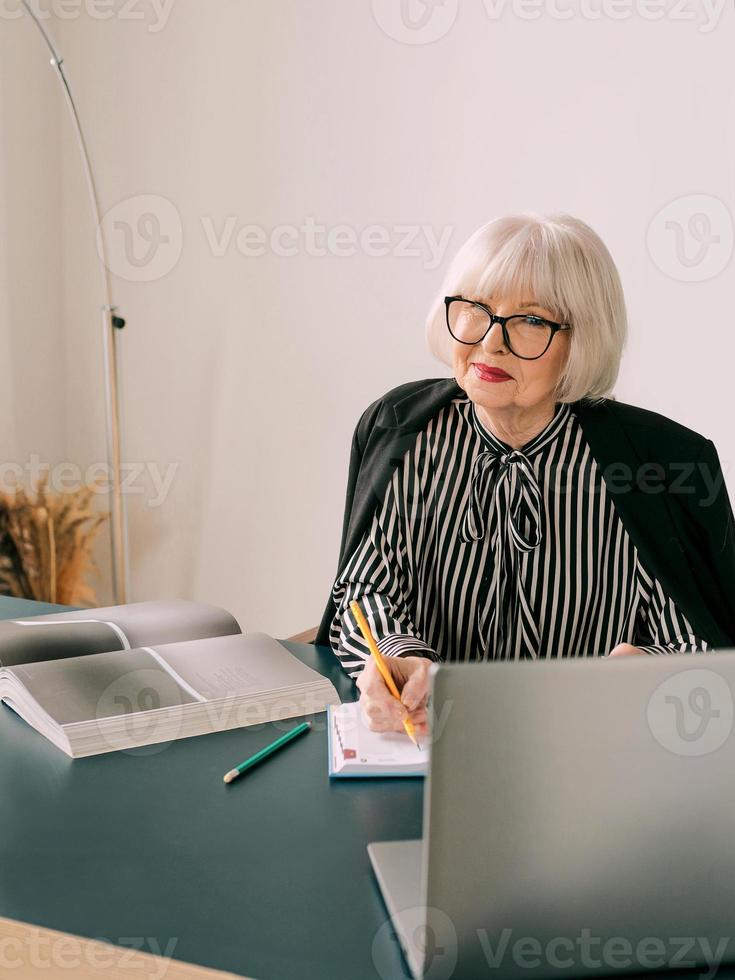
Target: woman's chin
x=491, y=394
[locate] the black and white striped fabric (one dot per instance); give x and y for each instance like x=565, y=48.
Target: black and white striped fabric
x=479, y=551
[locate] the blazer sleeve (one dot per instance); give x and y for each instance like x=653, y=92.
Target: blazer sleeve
x=719, y=519
x=710, y=512
x=662, y=627
x=360, y=438
x=355, y=479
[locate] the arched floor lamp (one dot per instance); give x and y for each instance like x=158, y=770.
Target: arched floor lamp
x=112, y=324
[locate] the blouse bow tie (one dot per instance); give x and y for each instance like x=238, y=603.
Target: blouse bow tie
x=492, y=472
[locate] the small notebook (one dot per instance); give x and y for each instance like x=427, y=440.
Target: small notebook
x=355, y=750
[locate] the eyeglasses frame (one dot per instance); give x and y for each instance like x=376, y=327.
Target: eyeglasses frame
x=502, y=320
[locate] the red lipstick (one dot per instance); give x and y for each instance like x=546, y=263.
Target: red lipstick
x=487, y=373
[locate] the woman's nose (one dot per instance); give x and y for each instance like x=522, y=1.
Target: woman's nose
x=494, y=339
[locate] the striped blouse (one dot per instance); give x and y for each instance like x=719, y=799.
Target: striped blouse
x=479, y=551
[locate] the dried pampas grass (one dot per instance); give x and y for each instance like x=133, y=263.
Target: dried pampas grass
x=46, y=541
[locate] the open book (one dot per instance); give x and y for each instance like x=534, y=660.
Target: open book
x=356, y=750
x=119, y=677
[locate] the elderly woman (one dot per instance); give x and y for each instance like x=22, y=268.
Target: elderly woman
x=518, y=510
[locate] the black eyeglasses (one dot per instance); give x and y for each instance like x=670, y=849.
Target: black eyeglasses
x=525, y=335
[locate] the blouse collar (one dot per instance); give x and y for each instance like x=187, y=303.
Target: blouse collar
x=547, y=435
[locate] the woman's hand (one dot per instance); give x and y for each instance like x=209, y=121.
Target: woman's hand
x=626, y=650
x=380, y=710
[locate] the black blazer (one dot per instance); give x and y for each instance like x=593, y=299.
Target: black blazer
x=665, y=480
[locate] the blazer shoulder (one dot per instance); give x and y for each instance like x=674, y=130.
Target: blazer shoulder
x=426, y=386
x=411, y=400
x=645, y=424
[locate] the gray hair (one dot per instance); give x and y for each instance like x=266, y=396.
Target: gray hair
x=561, y=263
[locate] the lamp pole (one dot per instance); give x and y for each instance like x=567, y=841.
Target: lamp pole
x=112, y=323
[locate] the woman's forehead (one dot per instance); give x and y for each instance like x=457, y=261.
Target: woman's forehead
x=498, y=297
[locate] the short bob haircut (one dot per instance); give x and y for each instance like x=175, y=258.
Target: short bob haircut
x=563, y=265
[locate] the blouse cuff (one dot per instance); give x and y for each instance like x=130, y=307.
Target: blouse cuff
x=663, y=648
x=403, y=645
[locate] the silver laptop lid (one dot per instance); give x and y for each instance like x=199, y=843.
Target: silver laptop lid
x=580, y=817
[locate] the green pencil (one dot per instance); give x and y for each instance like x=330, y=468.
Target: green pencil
x=268, y=750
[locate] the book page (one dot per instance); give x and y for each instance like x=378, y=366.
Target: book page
x=233, y=666
x=103, y=685
x=107, y=685
x=88, y=631
x=26, y=641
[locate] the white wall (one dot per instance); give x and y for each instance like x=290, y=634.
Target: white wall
x=249, y=373
x=32, y=407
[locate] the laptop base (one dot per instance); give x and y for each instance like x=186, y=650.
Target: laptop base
x=397, y=867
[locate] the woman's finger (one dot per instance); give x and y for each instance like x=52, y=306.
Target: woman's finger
x=380, y=716
x=371, y=683
x=380, y=708
x=416, y=688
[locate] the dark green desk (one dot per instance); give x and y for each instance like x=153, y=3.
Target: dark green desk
x=268, y=877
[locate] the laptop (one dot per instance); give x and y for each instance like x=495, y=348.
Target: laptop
x=579, y=818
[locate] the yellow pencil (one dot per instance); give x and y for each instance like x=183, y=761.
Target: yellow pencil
x=382, y=667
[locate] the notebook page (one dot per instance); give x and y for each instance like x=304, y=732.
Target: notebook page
x=358, y=744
